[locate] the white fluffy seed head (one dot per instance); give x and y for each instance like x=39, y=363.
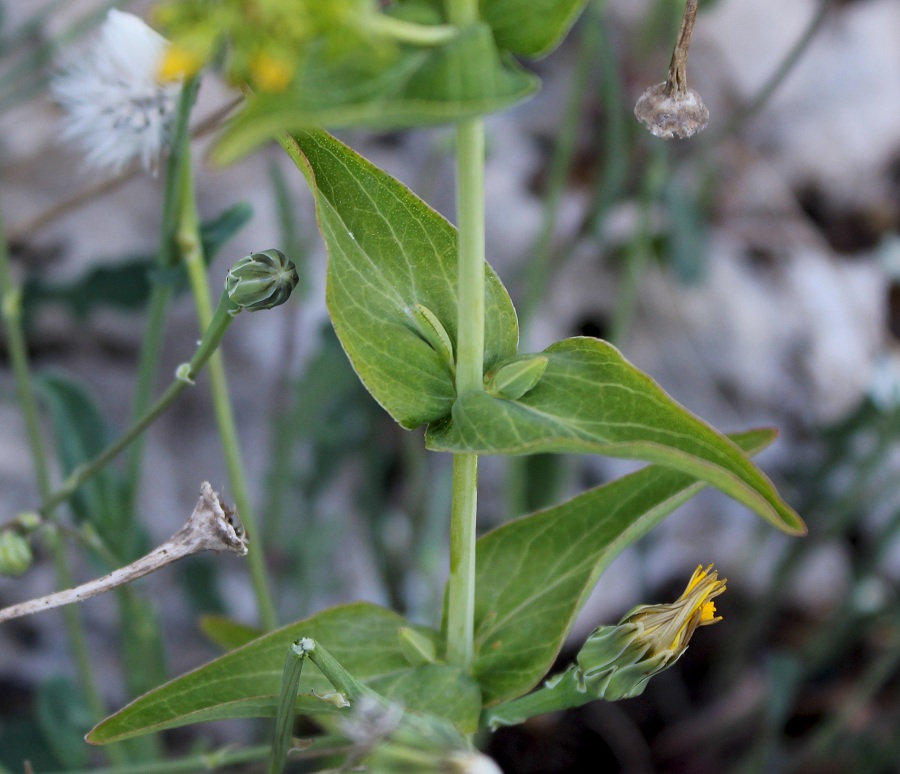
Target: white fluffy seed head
x=117, y=110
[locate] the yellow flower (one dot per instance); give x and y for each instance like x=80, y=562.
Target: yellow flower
x=178, y=63
x=670, y=627
x=271, y=73
x=617, y=661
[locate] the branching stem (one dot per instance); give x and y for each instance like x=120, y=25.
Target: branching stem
x=188, y=238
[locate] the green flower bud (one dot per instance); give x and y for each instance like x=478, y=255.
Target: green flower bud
x=15, y=553
x=261, y=280
x=512, y=379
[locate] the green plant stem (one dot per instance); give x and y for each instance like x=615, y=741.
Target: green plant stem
x=564, y=694
x=469, y=376
x=462, y=12
x=161, y=294
x=469, y=365
x=470, y=214
x=10, y=309
x=184, y=378
x=188, y=238
x=560, y=166
x=151, y=349
x=748, y=111
x=461, y=584
x=613, y=143
x=639, y=250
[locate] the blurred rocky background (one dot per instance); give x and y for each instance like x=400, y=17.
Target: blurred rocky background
x=753, y=270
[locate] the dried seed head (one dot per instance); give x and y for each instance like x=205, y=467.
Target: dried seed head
x=212, y=526
x=669, y=113
x=670, y=109
x=117, y=109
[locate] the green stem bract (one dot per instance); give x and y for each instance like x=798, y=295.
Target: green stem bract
x=343, y=682
x=469, y=376
x=188, y=238
x=404, y=31
x=287, y=701
x=11, y=312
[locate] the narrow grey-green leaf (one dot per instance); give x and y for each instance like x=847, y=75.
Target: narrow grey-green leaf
x=246, y=682
x=389, y=251
x=591, y=400
x=64, y=716
x=464, y=77
x=81, y=432
x=531, y=29
x=534, y=574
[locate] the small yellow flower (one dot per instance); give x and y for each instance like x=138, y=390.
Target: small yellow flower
x=270, y=73
x=670, y=627
x=178, y=63
x=617, y=661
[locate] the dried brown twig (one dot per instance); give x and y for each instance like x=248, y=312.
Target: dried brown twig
x=211, y=527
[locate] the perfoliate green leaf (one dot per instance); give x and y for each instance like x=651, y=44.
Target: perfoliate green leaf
x=534, y=574
x=246, y=682
x=591, y=400
x=435, y=689
x=461, y=78
x=388, y=252
x=532, y=28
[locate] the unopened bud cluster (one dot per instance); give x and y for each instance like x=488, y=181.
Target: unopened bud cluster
x=15, y=553
x=261, y=280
